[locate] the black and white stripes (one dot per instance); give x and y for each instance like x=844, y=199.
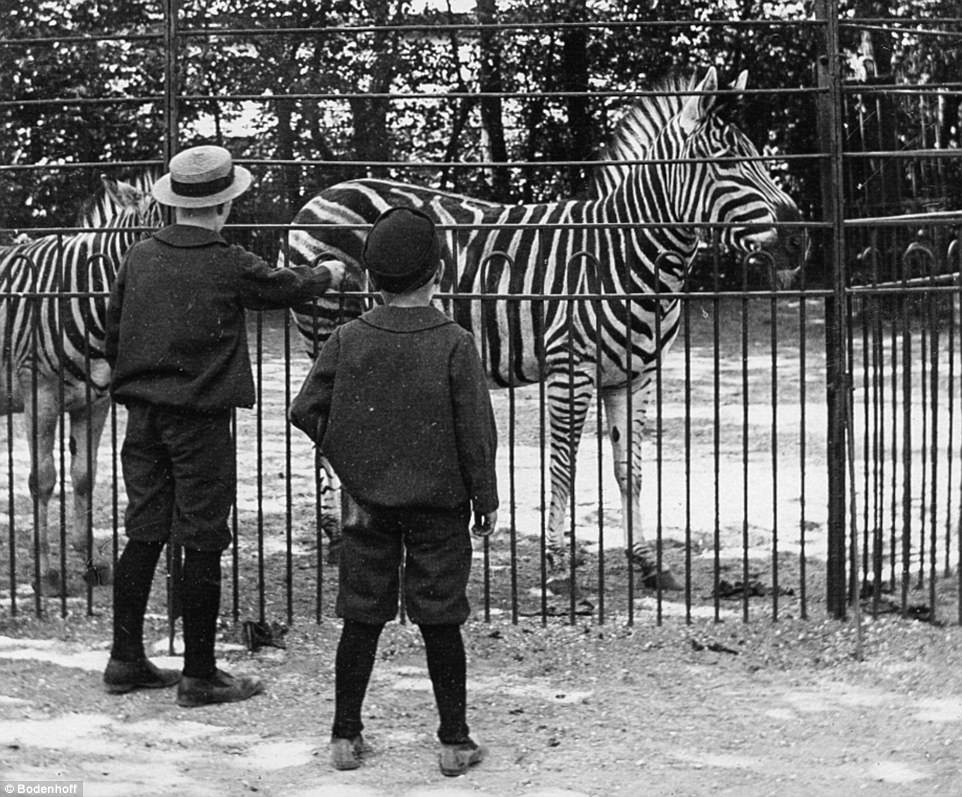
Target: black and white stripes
x=53, y=296
x=599, y=263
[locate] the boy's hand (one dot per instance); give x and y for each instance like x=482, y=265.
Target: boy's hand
x=484, y=523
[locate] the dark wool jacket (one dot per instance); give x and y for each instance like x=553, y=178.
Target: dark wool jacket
x=176, y=326
x=397, y=401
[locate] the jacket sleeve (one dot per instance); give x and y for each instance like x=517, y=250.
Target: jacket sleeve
x=114, y=310
x=475, y=428
x=312, y=405
x=264, y=287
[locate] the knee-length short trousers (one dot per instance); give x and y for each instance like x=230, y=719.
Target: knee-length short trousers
x=434, y=547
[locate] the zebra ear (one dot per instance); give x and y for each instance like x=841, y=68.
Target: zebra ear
x=123, y=195
x=741, y=81
x=698, y=105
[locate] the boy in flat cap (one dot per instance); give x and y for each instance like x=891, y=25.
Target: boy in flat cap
x=177, y=345
x=397, y=401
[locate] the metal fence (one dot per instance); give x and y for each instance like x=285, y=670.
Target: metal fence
x=803, y=452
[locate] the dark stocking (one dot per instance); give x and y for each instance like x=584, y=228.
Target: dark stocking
x=132, y=580
x=200, y=602
x=352, y=672
x=448, y=671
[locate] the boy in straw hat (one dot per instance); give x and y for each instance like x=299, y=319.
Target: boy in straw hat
x=177, y=345
x=398, y=403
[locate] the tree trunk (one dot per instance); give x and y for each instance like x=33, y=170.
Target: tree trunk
x=574, y=71
x=491, y=84
x=370, y=138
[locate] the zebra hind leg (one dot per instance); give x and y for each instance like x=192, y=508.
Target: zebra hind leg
x=642, y=554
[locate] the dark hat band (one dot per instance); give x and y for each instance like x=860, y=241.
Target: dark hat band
x=208, y=188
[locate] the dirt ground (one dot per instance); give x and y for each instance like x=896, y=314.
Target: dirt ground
x=615, y=690
x=705, y=709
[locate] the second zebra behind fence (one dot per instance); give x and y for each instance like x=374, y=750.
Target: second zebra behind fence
x=53, y=299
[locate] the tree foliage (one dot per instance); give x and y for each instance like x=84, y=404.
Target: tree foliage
x=309, y=93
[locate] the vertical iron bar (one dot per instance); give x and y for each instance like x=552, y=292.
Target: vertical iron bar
x=934, y=446
x=629, y=522
x=595, y=287
x=803, y=447
x=925, y=308
x=716, y=425
x=686, y=331
x=906, y=454
x=288, y=486
x=61, y=424
x=659, y=451
x=830, y=105
x=572, y=502
x=861, y=305
x=490, y=368
x=542, y=438
x=774, y=444
x=8, y=353
x=33, y=318
x=235, y=528
x=512, y=485
x=259, y=431
x=746, y=469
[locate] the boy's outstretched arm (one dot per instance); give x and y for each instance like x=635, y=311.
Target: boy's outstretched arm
x=264, y=287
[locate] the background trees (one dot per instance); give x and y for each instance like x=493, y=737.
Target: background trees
x=503, y=100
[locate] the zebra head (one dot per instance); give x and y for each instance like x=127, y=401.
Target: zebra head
x=719, y=179
x=121, y=204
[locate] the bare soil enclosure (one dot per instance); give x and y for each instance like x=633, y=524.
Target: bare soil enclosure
x=592, y=684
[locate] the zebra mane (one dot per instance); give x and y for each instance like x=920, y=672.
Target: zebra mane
x=636, y=129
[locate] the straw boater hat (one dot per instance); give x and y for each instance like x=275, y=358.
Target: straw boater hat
x=201, y=177
x=402, y=251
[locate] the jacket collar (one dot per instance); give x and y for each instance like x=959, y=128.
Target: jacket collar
x=188, y=235
x=405, y=319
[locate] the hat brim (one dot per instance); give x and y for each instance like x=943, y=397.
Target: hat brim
x=162, y=192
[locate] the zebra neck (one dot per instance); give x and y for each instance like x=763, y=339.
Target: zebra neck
x=657, y=257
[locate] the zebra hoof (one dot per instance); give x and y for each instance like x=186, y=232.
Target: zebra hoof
x=665, y=581
x=560, y=560
x=642, y=560
x=98, y=574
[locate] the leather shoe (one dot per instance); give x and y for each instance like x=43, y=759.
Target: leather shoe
x=121, y=677
x=456, y=758
x=222, y=687
x=347, y=753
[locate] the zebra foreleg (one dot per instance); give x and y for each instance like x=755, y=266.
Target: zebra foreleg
x=626, y=434
x=86, y=427
x=568, y=403
x=41, y=427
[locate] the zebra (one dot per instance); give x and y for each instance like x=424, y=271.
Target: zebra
x=697, y=169
x=53, y=297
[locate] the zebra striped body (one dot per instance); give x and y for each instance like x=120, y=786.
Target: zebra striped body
x=578, y=249
x=53, y=297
